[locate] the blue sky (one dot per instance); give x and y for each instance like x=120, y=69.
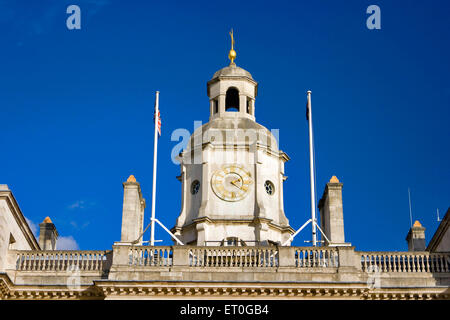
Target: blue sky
x=76, y=106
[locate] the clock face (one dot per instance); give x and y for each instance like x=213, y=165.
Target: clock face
x=231, y=183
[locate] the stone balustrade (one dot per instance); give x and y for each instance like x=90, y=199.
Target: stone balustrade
x=240, y=257
x=60, y=260
x=405, y=262
x=316, y=257
x=256, y=257
x=213, y=256
x=145, y=256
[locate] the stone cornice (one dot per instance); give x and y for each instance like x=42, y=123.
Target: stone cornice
x=10, y=291
x=5, y=285
x=173, y=289
x=237, y=146
x=222, y=77
x=249, y=220
x=257, y=290
x=107, y=289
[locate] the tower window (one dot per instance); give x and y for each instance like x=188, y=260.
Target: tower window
x=270, y=188
x=195, y=186
x=232, y=100
x=248, y=106
x=216, y=106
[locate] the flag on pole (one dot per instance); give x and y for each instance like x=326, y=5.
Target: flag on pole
x=158, y=122
x=307, y=111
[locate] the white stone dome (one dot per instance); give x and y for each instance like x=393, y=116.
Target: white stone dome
x=232, y=71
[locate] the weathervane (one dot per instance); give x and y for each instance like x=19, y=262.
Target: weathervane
x=232, y=53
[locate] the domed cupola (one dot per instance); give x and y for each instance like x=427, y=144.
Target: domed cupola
x=232, y=91
x=232, y=171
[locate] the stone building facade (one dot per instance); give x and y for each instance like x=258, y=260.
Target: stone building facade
x=234, y=229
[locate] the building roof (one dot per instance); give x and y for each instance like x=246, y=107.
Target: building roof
x=440, y=232
x=8, y=196
x=232, y=71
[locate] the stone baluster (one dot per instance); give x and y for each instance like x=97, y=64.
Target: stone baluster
x=398, y=263
x=47, y=263
x=18, y=261
x=433, y=267
x=438, y=263
x=446, y=262
x=37, y=266
x=41, y=260
x=201, y=257
x=58, y=261
x=314, y=256
x=422, y=257
x=390, y=263
x=192, y=258
x=86, y=258
x=427, y=257
x=94, y=261
x=53, y=262
x=33, y=261
x=98, y=261
x=386, y=259
x=305, y=259
x=408, y=262
x=88, y=261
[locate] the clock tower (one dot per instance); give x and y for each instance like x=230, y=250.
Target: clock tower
x=232, y=171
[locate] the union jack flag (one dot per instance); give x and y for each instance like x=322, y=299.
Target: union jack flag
x=158, y=122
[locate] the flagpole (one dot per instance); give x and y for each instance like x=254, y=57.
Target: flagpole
x=410, y=211
x=155, y=152
x=311, y=167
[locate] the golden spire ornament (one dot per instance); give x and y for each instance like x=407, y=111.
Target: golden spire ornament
x=232, y=53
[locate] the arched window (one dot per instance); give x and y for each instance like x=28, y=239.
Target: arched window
x=232, y=100
x=216, y=106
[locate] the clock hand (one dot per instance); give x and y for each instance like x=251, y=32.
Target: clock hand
x=234, y=183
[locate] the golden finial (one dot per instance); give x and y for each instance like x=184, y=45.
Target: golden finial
x=232, y=53
x=131, y=179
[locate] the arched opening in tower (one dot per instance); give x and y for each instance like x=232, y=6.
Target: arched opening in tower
x=232, y=100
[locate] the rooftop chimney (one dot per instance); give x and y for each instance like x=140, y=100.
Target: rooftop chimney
x=48, y=235
x=416, y=237
x=133, y=211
